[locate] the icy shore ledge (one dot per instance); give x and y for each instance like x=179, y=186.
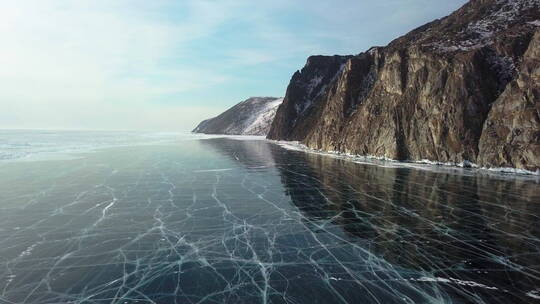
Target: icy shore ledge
x=418, y=164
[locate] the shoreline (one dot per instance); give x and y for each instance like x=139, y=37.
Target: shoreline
x=420, y=164
x=424, y=164
x=463, y=168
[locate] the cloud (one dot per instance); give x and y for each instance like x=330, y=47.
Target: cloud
x=62, y=59
x=123, y=63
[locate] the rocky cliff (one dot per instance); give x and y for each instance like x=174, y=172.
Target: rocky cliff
x=250, y=117
x=461, y=88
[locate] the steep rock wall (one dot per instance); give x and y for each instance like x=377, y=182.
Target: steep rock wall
x=427, y=95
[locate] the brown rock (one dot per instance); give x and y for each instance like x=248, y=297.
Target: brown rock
x=426, y=95
x=511, y=136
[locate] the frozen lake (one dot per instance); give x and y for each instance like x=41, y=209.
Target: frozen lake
x=219, y=220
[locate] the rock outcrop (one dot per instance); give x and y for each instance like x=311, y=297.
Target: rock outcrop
x=461, y=88
x=511, y=134
x=250, y=117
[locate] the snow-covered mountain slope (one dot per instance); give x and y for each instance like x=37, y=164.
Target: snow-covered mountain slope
x=250, y=117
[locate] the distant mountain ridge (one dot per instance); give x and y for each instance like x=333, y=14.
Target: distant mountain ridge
x=464, y=88
x=249, y=117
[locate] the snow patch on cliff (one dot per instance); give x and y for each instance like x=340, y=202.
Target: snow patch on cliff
x=260, y=121
x=314, y=90
x=482, y=32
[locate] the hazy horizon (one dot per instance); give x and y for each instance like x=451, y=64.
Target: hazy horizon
x=166, y=65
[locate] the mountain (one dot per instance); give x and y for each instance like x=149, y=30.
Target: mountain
x=250, y=117
x=462, y=88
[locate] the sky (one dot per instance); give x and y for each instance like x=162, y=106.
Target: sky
x=165, y=65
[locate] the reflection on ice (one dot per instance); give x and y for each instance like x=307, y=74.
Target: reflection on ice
x=229, y=221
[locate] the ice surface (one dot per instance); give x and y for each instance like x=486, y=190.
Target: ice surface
x=220, y=220
x=30, y=145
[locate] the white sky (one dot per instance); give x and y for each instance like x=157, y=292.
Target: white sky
x=166, y=65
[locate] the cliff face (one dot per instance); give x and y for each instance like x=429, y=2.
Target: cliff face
x=511, y=134
x=462, y=88
x=250, y=117
x=307, y=86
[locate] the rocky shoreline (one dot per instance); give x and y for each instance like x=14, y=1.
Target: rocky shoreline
x=423, y=164
x=464, y=89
